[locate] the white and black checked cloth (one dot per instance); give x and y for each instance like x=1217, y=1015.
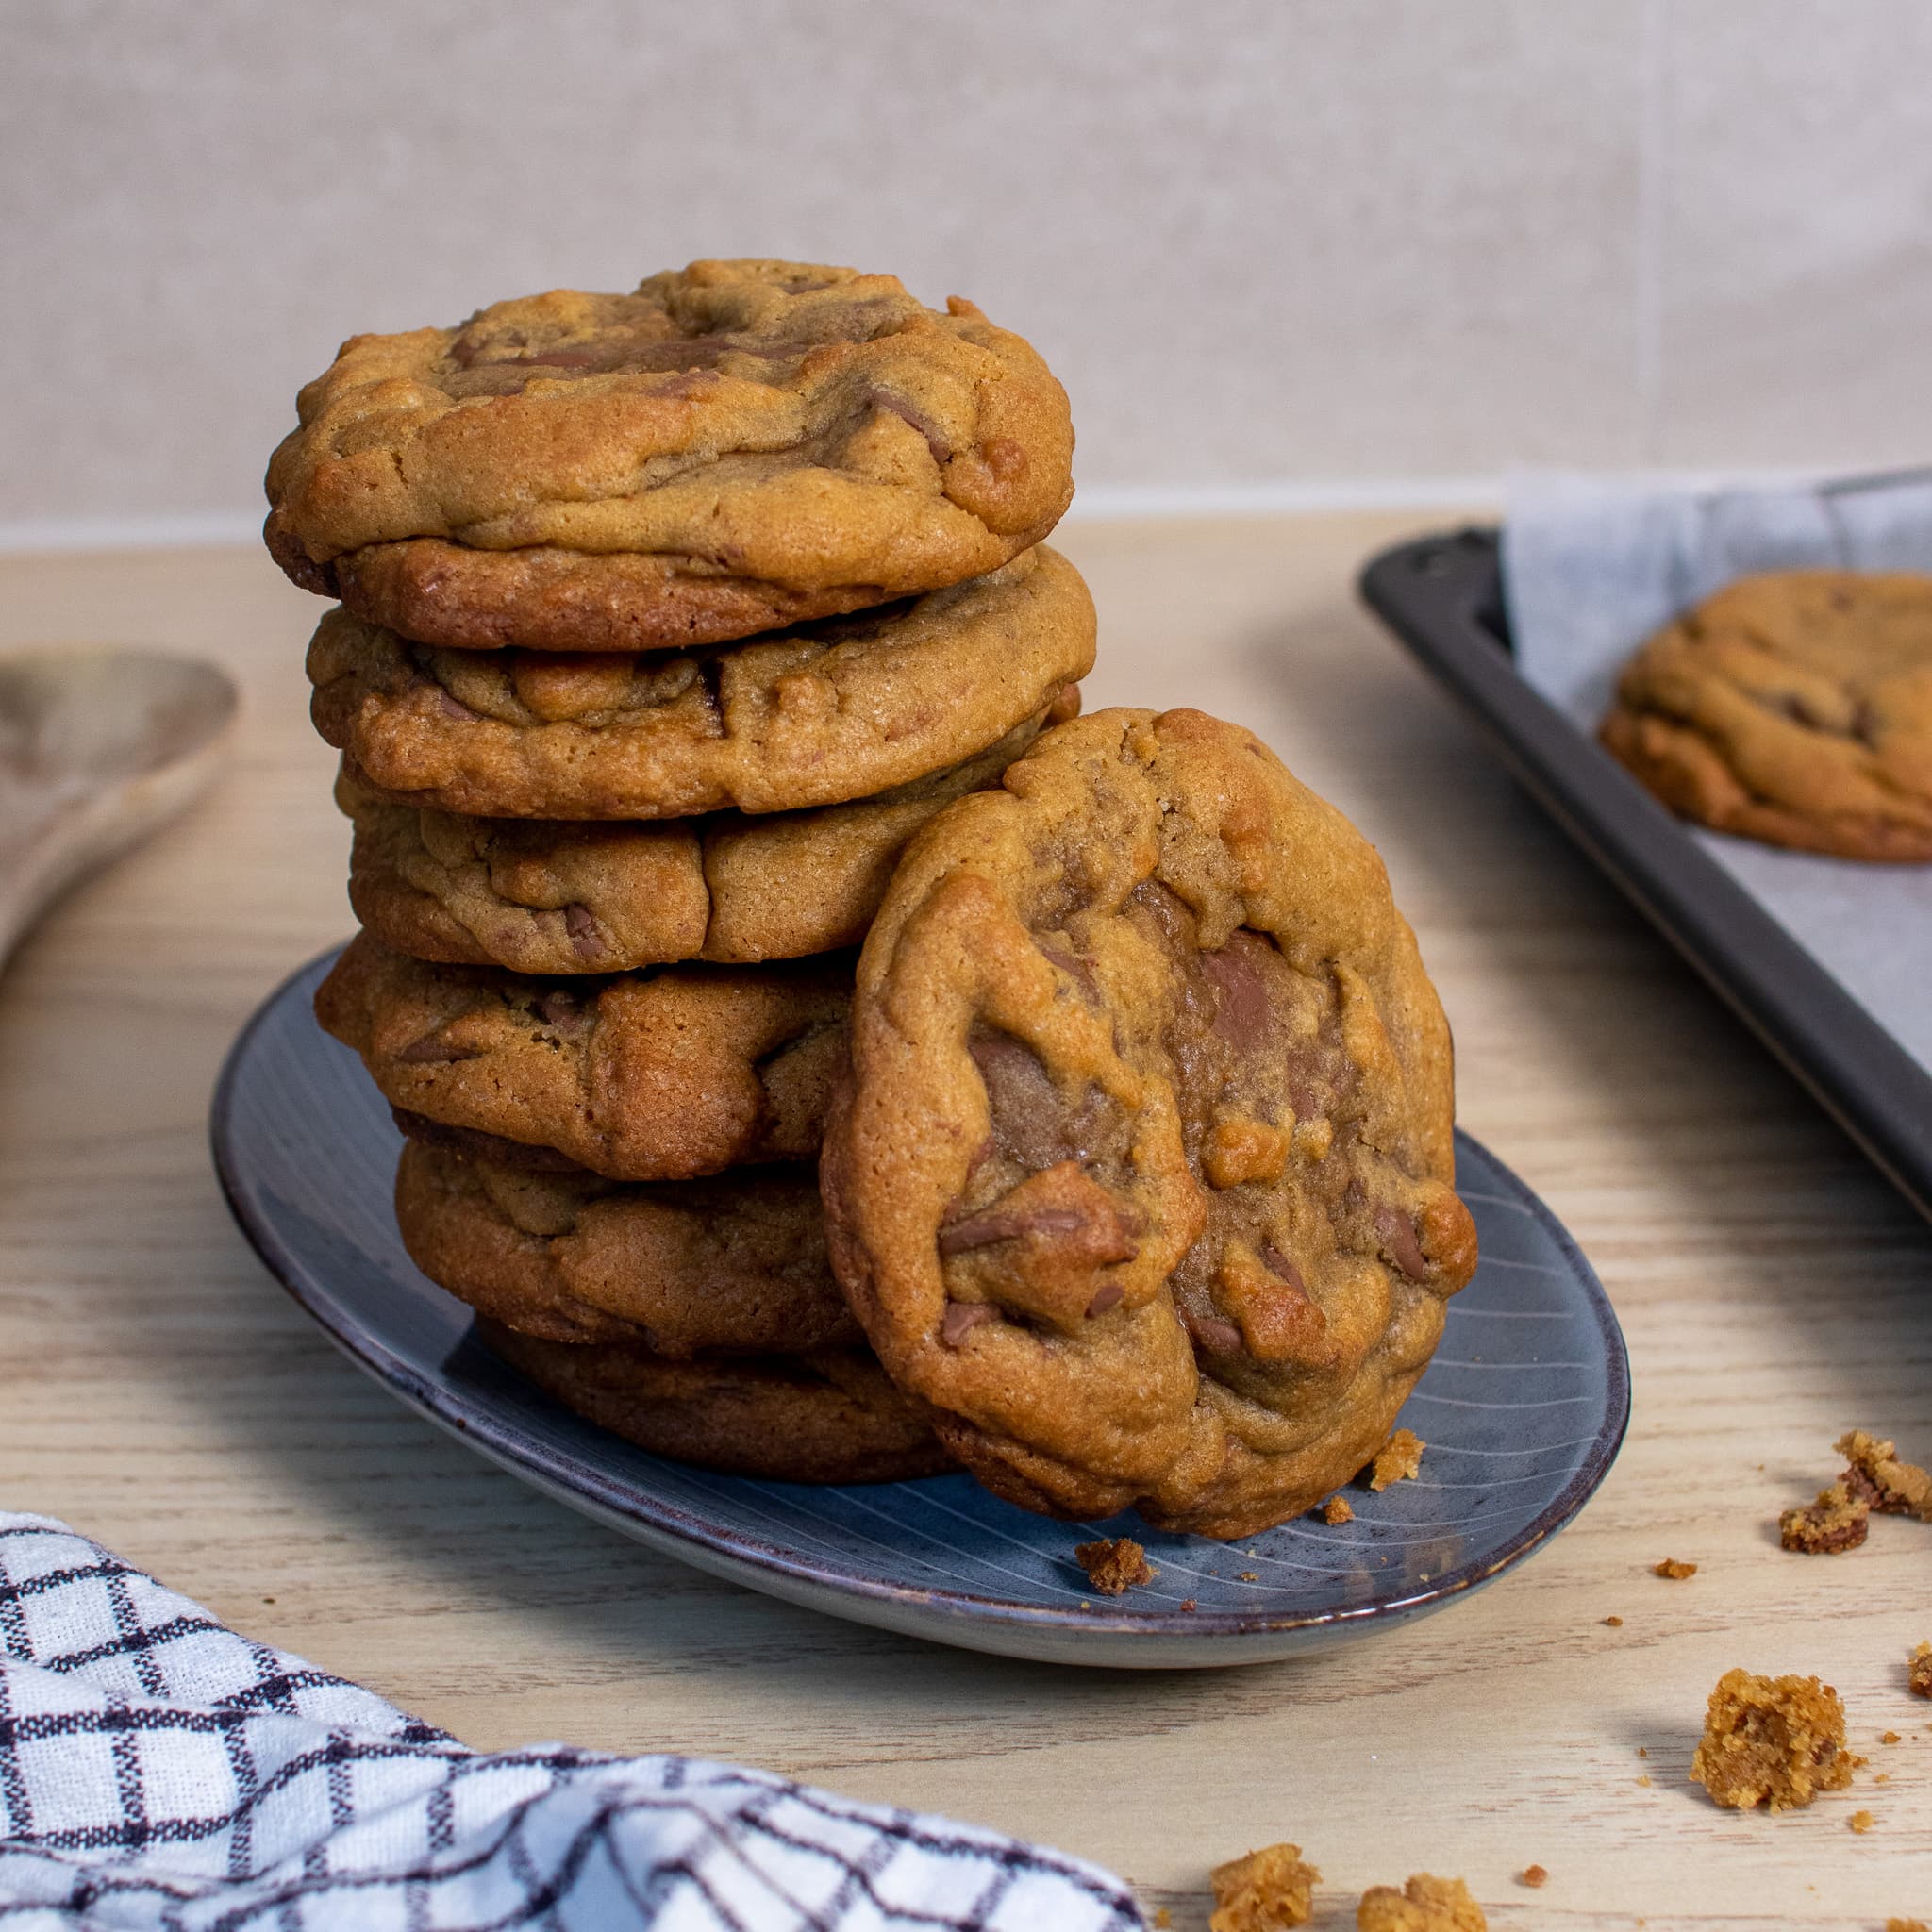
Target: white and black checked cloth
x=159, y=1772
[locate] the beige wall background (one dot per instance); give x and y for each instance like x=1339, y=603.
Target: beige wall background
x=1277, y=249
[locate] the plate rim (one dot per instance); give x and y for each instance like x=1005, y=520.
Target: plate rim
x=674, y=1529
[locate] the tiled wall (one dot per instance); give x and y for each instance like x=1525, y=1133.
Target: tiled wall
x=1265, y=241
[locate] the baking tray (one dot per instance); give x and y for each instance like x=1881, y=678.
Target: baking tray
x=1442, y=596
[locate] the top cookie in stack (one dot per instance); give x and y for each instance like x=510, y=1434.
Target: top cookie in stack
x=666, y=619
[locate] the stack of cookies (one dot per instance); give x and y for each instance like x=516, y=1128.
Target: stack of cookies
x=666, y=619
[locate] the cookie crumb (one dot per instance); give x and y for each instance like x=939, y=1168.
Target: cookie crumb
x=1162, y=1919
x=1398, y=1458
x=1615, y=1623
x=1874, y=1473
x=1887, y=1737
x=1532, y=1876
x=1772, y=1741
x=1919, y=1671
x=1336, y=1511
x=1860, y=1822
x=1266, y=1892
x=1644, y=1780
x=1835, y=1523
x=1188, y=1603
x=1426, y=1904
x=1676, y=1572
x=1884, y=1777
x=1251, y=1576
x=1905, y=1925
x=1643, y=1750
x=1114, y=1564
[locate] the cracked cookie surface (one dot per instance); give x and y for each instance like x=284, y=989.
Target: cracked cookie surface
x=639, y=1076
x=735, y=1264
x=547, y=896
x=1794, y=708
x=831, y=712
x=828, y=1416
x=735, y=446
x=1142, y=1175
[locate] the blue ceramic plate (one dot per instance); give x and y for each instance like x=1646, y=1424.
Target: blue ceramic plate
x=1523, y=1409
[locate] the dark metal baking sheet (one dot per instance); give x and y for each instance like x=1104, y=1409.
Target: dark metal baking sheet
x=1442, y=596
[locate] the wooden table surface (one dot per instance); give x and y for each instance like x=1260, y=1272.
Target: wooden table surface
x=159, y=1391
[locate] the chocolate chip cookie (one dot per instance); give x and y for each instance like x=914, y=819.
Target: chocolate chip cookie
x=736, y=446
x=1794, y=708
x=734, y=1264
x=639, y=1076
x=830, y=711
x=540, y=895
x=1142, y=1176
x=829, y=1416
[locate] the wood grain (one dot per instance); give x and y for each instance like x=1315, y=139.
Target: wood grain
x=159, y=1392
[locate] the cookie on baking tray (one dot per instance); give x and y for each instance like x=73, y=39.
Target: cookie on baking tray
x=734, y=1264
x=839, y=709
x=829, y=1416
x=549, y=896
x=1143, y=1176
x=660, y=1075
x=1794, y=708
x=734, y=447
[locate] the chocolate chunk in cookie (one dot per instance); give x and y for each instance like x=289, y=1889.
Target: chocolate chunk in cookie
x=831, y=712
x=736, y=446
x=640, y=1076
x=1143, y=1176
x=545, y=897
x=735, y=1264
x=1794, y=708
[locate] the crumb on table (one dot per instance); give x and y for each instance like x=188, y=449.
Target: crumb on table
x=1398, y=1458
x=1162, y=1919
x=1426, y=1904
x=1887, y=1737
x=1859, y=1820
x=1114, y=1564
x=1835, y=1523
x=1533, y=1876
x=1265, y=1891
x=1919, y=1671
x=1615, y=1623
x=1671, y=1567
x=1875, y=1473
x=1772, y=1741
x=1905, y=1926
x=1337, y=1510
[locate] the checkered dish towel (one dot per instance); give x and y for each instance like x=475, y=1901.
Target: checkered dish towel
x=160, y=1772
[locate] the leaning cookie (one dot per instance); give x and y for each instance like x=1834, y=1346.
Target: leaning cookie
x=735, y=1264
x=539, y=896
x=1794, y=708
x=734, y=447
x=1143, y=1176
x=840, y=710
x=639, y=1076
x=829, y=1416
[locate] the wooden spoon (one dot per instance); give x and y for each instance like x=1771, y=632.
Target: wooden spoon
x=99, y=746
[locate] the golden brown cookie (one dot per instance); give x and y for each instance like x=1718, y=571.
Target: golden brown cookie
x=640, y=1077
x=1794, y=708
x=539, y=896
x=737, y=446
x=840, y=710
x=735, y=1264
x=827, y=1417
x=1143, y=1179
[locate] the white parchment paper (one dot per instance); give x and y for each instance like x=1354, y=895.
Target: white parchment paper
x=1592, y=566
